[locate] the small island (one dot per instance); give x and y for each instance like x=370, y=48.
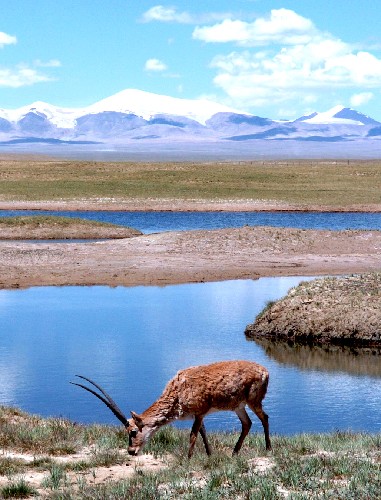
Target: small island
x=342, y=310
x=46, y=227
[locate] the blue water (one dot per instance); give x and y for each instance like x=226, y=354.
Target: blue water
x=133, y=340
x=149, y=222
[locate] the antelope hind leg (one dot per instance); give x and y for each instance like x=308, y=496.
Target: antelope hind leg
x=205, y=439
x=246, y=424
x=193, y=435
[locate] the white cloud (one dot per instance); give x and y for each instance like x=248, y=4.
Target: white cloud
x=21, y=77
x=52, y=63
x=166, y=14
x=296, y=61
x=23, y=74
x=298, y=72
x=310, y=66
x=283, y=26
x=155, y=65
x=6, y=39
x=362, y=98
x=162, y=14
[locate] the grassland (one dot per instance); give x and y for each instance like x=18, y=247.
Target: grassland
x=327, y=183
x=335, y=465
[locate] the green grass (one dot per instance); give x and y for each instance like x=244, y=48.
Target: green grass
x=55, y=436
x=302, y=182
x=339, y=465
x=17, y=489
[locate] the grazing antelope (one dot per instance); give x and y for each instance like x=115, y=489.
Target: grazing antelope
x=194, y=392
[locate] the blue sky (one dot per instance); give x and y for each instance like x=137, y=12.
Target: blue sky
x=278, y=59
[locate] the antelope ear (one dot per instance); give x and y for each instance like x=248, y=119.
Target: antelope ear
x=138, y=420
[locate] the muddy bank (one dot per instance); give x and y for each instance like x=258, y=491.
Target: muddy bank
x=191, y=256
x=343, y=310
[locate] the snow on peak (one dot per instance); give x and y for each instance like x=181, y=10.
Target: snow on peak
x=147, y=104
x=336, y=115
x=61, y=117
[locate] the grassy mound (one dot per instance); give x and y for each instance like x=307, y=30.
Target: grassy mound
x=345, y=310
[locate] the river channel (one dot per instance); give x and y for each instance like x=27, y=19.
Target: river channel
x=149, y=222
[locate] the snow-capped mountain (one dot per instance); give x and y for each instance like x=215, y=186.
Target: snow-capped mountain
x=134, y=115
x=130, y=101
x=148, y=105
x=58, y=116
x=339, y=115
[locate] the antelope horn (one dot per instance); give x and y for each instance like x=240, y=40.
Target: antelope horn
x=107, y=400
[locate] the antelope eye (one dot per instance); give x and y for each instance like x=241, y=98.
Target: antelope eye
x=133, y=433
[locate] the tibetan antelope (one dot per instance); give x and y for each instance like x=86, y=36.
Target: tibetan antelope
x=194, y=392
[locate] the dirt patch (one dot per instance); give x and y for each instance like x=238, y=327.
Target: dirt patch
x=191, y=256
x=91, y=476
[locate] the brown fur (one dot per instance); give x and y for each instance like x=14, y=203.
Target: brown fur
x=198, y=390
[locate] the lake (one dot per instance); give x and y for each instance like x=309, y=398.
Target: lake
x=149, y=222
x=133, y=340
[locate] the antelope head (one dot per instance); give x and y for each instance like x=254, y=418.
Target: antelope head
x=138, y=433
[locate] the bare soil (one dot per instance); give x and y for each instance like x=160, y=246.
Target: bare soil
x=190, y=256
x=91, y=476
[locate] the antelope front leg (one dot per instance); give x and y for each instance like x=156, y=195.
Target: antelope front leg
x=197, y=424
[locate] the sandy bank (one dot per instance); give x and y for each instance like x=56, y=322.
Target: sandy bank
x=190, y=256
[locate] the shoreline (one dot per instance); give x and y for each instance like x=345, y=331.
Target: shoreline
x=169, y=205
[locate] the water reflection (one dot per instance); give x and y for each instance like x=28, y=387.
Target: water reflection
x=328, y=358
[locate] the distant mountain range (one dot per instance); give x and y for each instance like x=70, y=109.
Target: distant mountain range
x=133, y=115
